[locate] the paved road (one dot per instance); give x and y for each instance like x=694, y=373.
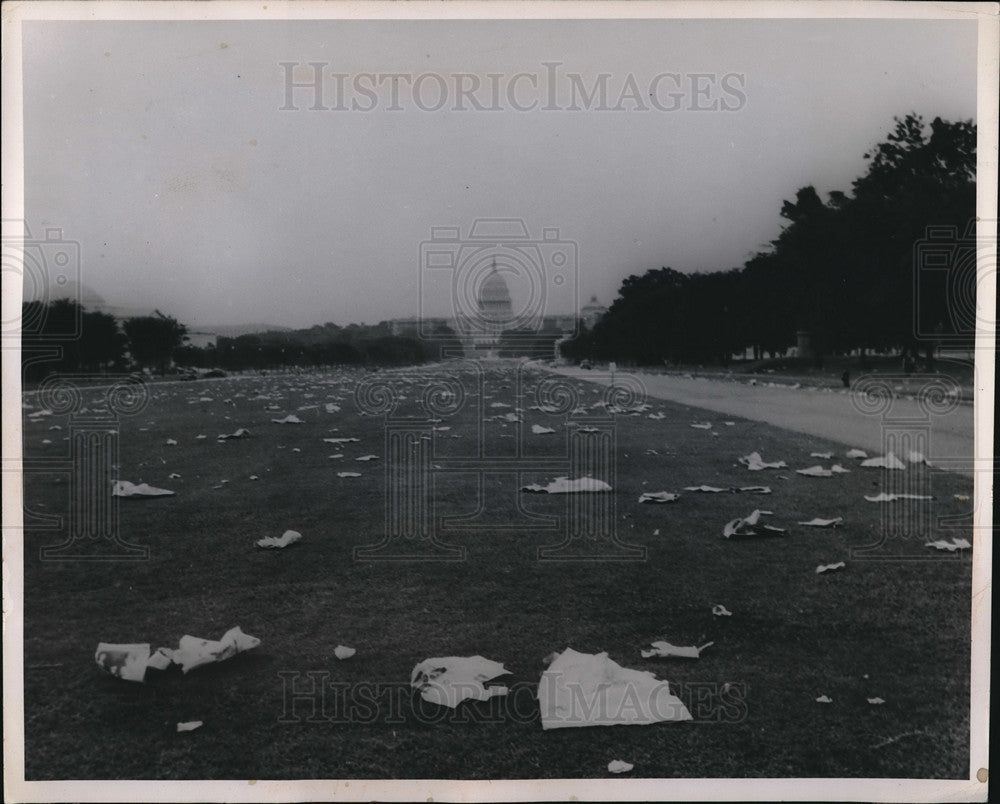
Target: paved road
x=828, y=413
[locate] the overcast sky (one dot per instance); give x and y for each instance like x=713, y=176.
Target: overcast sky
x=164, y=150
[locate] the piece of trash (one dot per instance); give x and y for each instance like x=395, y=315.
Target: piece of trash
x=193, y=652
x=824, y=455
x=344, y=652
x=950, y=547
x=754, y=489
x=755, y=463
x=127, y=662
x=332, y=408
x=241, y=433
x=200, y=437
x=450, y=680
x=856, y=453
x=917, y=457
x=340, y=440
x=702, y=426
x=617, y=766
x=664, y=650
x=348, y=474
x=191, y=725
x=173, y=476
x=704, y=489
x=254, y=477
x=658, y=497
x=287, y=538
x=170, y=442
x=563, y=485
x=125, y=489
x=824, y=523
x=582, y=689
x=367, y=458
x=815, y=471
x=537, y=429
x=721, y=611
x=746, y=526
x=291, y=418
x=730, y=424
x=883, y=497
x=889, y=461
x=830, y=567
x=962, y=497
x=656, y=532
x=824, y=699
x=876, y=701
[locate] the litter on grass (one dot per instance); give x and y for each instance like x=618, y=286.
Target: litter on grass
x=617, y=766
x=450, y=680
x=193, y=652
x=291, y=418
x=705, y=489
x=824, y=523
x=125, y=489
x=824, y=699
x=883, y=497
x=343, y=652
x=348, y=474
x=876, y=701
x=823, y=455
x=889, y=461
x=241, y=433
x=191, y=725
x=563, y=485
x=537, y=429
x=755, y=463
x=287, y=538
x=819, y=471
x=127, y=662
x=583, y=689
x=747, y=526
x=340, y=440
x=856, y=453
x=367, y=458
x=664, y=650
x=721, y=611
x=171, y=442
x=950, y=547
x=830, y=567
x=702, y=426
x=658, y=497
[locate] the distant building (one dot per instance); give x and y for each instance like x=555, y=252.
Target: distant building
x=592, y=311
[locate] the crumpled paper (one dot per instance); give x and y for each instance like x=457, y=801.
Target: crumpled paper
x=664, y=650
x=830, y=567
x=537, y=429
x=287, y=538
x=130, y=662
x=856, y=453
x=819, y=471
x=242, y=432
x=191, y=725
x=824, y=523
x=950, y=547
x=824, y=699
x=563, y=485
x=755, y=463
x=617, y=766
x=721, y=611
x=127, y=662
x=193, y=652
x=291, y=418
x=124, y=488
x=583, y=689
x=450, y=680
x=889, y=461
x=748, y=526
x=343, y=652
x=883, y=497
x=658, y=497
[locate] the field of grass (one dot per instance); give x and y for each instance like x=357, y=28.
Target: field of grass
x=898, y=629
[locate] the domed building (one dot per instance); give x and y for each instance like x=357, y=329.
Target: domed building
x=495, y=308
x=592, y=311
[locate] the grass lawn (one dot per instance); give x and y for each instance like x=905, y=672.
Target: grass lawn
x=898, y=629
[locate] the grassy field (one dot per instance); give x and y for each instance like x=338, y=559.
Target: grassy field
x=898, y=629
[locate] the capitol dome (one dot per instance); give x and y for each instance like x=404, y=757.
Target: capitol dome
x=494, y=299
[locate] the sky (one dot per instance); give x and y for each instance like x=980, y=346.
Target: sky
x=164, y=150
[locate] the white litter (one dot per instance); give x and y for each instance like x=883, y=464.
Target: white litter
x=824, y=455
x=876, y=701
x=658, y=497
x=348, y=474
x=367, y=458
x=563, y=485
x=127, y=662
x=191, y=725
x=287, y=538
x=125, y=489
x=746, y=526
x=721, y=611
x=950, y=547
x=332, y=408
x=702, y=426
x=890, y=461
x=291, y=418
x=856, y=453
x=340, y=440
x=664, y=650
x=241, y=433
x=173, y=476
x=171, y=442
x=755, y=463
x=617, y=766
x=537, y=429
x=582, y=689
x=193, y=652
x=824, y=523
x=917, y=457
x=343, y=652
x=450, y=680
x=824, y=699
x=883, y=497
x=705, y=489
x=754, y=489
x=830, y=567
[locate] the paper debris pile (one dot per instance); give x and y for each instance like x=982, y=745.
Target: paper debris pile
x=664, y=650
x=563, y=485
x=583, y=689
x=287, y=538
x=749, y=526
x=890, y=461
x=950, y=547
x=658, y=497
x=883, y=497
x=755, y=463
x=452, y=679
x=124, y=488
x=824, y=523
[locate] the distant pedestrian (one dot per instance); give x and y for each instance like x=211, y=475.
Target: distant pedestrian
x=845, y=378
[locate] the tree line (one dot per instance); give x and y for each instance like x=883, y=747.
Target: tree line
x=848, y=270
